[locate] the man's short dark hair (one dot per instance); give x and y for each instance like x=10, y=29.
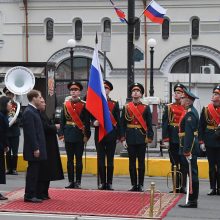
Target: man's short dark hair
x=33, y=94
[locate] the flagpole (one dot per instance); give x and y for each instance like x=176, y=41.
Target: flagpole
x=190, y=62
x=146, y=5
x=130, y=55
x=145, y=50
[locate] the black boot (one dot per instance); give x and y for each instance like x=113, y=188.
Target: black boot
x=109, y=186
x=102, y=186
x=70, y=186
x=102, y=175
x=212, y=180
x=182, y=190
x=133, y=176
x=14, y=165
x=8, y=163
x=140, y=179
x=218, y=184
x=190, y=204
x=140, y=188
x=134, y=188
x=78, y=184
x=110, y=170
x=78, y=176
x=212, y=192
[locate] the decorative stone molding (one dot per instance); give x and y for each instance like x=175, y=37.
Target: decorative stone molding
x=79, y=51
x=180, y=53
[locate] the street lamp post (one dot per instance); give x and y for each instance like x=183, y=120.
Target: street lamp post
x=71, y=44
x=152, y=43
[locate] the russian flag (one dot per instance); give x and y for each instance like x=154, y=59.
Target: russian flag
x=155, y=12
x=119, y=12
x=96, y=101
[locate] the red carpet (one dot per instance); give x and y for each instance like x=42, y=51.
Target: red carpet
x=92, y=203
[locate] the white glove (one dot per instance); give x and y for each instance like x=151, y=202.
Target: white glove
x=124, y=143
x=202, y=147
x=96, y=123
x=166, y=145
x=189, y=157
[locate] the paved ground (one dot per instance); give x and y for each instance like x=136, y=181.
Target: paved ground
x=208, y=206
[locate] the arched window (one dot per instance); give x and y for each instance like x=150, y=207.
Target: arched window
x=137, y=28
x=107, y=26
x=78, y=30
x=49, y=29
x=166, y=29
x=182, y=66
x=195, y=28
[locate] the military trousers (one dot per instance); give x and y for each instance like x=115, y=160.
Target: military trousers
x=74, y=151
x=137, y=151
x=105, y=153
x=195, y=176
x=213, y=155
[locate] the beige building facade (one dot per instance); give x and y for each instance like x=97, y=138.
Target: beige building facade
x=39, y=33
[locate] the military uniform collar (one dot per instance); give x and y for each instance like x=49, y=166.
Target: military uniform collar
x=137, y=103
x=76, y=100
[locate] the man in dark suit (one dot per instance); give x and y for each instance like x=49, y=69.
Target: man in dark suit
x=106, y=147
x=34, y=145
x=75, y=131
x=137, y=131
x=189, y=144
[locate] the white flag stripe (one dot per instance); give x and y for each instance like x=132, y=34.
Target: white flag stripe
x=158, y=8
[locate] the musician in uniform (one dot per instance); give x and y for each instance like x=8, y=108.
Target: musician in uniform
x=189, y=145
x=137, y=132
x=170, y=129
x=209, y=138
x=106, y=148
x=13, y=137
x=75, y=131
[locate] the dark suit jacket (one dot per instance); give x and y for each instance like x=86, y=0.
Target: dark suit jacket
x=34, y=137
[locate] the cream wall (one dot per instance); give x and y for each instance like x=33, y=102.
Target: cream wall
x=92, y=13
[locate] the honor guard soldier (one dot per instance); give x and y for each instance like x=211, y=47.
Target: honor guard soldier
x=170, y=130
x=137, y=132
x=209, y=138
x=13, y=137
x=75, y=130
x=189, y=145
x=106, y=148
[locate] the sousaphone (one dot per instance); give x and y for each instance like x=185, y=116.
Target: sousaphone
x=19, y=80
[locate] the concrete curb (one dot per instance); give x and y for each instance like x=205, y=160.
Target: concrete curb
x=156, y=166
